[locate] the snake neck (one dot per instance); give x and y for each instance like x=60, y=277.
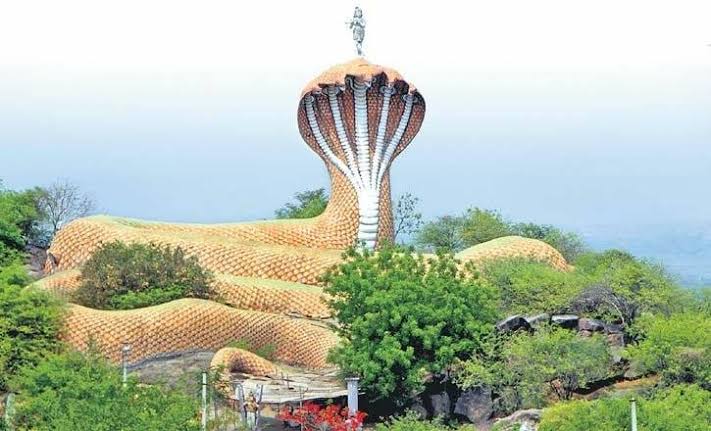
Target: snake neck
x=348, y=215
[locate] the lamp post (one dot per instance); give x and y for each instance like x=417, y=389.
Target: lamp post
x=203, y=418
x=352, y=387
x=125, y=352
x=633, y=413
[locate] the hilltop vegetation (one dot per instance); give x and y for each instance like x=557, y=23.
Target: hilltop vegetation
x=413, y=328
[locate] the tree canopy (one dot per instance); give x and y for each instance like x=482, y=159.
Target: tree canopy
x=403, y=316
x=309, y=203
x=477, y=225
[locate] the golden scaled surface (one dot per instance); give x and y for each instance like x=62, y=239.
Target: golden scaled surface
x=267, y=273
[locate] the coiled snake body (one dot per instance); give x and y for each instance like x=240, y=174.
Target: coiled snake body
x=358, y=117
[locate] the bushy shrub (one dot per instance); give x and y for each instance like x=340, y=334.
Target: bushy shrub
x=526, y=368
x=527, y=287
x=29, y=322
x=702, y=301
x=677, y=346
x=560, y=359
x=72, y=391
x=403, y=316
x=645, y=283
x=684, y=407
x=124, y=276
x=412, y=422
x=611, y=285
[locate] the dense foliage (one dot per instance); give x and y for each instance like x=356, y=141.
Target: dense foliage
x=558, y=358
x=403, y=316
x=29, y=322
x=526, y=369
x=444, y=233
x=683, y=407
x=476, y=226
x=309, y=203
x=569, y=244
x=19, y=222
x=646, y=283
x=678, y=347
x=124, y=276
x=527, y=287
x=32, y=217
x=72, y=392
x=412, y=422
x=612, y=285
x=481, y=225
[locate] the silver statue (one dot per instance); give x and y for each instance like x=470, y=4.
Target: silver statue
x=357, y=24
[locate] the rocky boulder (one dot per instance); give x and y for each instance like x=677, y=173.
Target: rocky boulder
x=475, y=404
x=538, y=320
x=614, y=328
x=513, y=323
x=568, y=321
x=525, y=419
x=441, y=404
x=591, y=325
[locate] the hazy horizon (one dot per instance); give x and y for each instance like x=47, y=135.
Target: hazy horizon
x=590, y=117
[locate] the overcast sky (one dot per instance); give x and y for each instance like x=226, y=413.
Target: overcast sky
x=570, y=112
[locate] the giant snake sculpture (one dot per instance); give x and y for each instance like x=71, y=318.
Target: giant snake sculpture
x=358, y=117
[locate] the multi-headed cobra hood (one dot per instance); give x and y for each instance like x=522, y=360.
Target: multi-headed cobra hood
x=358, y=117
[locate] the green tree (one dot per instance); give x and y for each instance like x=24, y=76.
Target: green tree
x=403, y=316
x=19, y=222
x=124, y=276
x=71, y=391
x=683, y=407
x=61, y=202
x=482, y=225
x=29, y=322
x=444, y=234
x=569, y=244
x=526, y=367
x=477, y=225
x=560, y=359
x=647, y=284
x=677, y=346
x=406, y=219
x=309, y=203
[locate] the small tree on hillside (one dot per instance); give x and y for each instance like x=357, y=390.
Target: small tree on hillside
x=407, y=219
x=445, y=234
x=63, y=202
x=309, y=203
x=569, y=244
x=482, y=225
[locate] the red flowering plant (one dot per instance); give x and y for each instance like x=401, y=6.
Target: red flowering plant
x=315, y=417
